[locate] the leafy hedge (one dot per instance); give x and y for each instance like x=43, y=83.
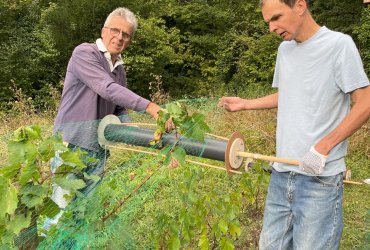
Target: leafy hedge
x=199, y=48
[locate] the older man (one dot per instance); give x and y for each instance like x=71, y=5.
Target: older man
x=317, y=72
x=95, y=86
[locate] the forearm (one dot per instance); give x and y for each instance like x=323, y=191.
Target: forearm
x=359, y=115
x=266, y=102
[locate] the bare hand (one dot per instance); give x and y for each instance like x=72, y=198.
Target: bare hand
x=174, y=163
x=169, y=125
x=153, y=110
x=232, y=104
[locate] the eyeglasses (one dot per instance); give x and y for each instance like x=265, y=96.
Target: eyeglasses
x=116, y=32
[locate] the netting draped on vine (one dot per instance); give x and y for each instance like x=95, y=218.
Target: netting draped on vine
x=131, y=185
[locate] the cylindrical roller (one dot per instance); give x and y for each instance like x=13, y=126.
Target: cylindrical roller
x=210, y=148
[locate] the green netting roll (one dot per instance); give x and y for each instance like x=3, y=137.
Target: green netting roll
x=210, y=148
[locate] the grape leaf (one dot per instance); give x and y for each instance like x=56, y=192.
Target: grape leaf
x=29, y=171
x=8, y=197
x=179, y=154
x=69, y=184
x=49, y=208
x=72, y=159
x=18, y=222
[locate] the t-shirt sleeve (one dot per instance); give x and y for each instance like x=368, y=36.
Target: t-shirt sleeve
x=275, y=81
x=349, y=70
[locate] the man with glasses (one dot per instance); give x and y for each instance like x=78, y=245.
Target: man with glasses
x=317, y=73
x=95, y=86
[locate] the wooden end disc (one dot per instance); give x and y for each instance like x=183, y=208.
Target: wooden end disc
x=234, y=145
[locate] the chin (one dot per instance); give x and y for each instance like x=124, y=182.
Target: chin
x=288, y=38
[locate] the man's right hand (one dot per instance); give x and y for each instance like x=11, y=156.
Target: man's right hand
x=232, y=104
x=153, y=109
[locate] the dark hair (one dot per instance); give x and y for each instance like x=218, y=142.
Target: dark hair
x=290, y=3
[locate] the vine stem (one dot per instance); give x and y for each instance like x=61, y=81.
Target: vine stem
x=122, y=202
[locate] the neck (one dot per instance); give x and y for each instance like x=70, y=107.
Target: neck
x=308, y=29
x=114, y=59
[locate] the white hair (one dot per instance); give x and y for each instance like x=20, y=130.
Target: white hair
x=125, y=14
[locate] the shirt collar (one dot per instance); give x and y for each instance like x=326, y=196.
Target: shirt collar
x=102, y=48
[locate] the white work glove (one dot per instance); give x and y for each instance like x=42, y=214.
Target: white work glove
x=313, y=162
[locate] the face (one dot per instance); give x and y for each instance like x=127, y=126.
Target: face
x=116, y=43
x=286, y=22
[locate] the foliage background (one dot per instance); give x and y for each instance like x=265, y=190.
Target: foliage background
x=198, y=48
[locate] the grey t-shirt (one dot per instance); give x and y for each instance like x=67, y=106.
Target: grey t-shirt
x=92, y=91
x=314, y=81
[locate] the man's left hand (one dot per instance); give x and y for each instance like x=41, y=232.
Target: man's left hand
x=313, y=162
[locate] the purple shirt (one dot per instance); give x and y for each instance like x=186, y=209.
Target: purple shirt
x=91, y=91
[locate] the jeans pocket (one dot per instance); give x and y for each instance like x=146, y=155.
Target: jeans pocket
x=330, y=181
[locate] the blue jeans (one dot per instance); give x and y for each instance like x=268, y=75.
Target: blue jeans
x=302, y=212
x=95, y=168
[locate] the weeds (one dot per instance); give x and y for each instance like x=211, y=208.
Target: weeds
x=157, y=93
x=258, y=128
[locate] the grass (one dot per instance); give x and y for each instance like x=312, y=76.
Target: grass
x=136, y=217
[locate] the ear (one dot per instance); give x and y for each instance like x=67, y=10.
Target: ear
x=101, y=33
x=301, y=6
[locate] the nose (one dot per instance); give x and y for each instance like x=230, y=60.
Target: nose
x=120, y=36
x=272, y=27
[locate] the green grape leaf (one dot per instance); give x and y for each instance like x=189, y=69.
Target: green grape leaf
x=174, y=243
x=94, y=178
x=203, y=242
x=186, y=126
x=200, y=120
x=234, y=230
x=186, y=232
x=17, y=152
x=31, y=200
x=7, y=240
x=49, y=208
x=199, y=127
x=8, y=197
x=10, y=171
x=179, y=154
x=196, y=133
x=69, y=184
x=28, y=172
x=226, y=244
x=166, y=152
x=49, y=146
x=33, y=195
x=72, y=159
x=33, y=132
x=28, y=133
x=222, y=225
x=19, y=222
x=64, y=169
x=175, y=109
